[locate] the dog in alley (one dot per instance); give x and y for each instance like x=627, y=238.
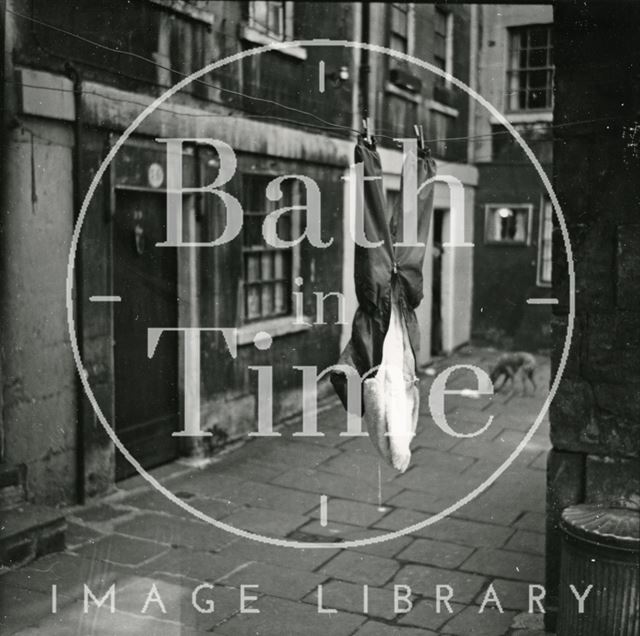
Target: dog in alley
x=510, y=365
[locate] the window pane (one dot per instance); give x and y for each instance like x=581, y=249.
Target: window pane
x=440, y=22
x=258, y=12
x=275, y=17
x=253, y=302
x=283, y=227
x=508, y=224
x=537, y=79
x=538, y=58
x=267, y=266
x=530, y=73
x=538, y=36
x=545, y=253
x=268, y=17
x=440, y=46
x=399, y=19
x=267, y=300
x=398, y=43
x=253, y=229
x=279, y=265
x=279, y=304
x=253, y=267
x=537, y=99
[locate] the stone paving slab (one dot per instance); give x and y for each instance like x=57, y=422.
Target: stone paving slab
x=198, y=566
x=360, y=568
x=266, y=522
x=438, y=553
x=352, y=597
x=275, y=580
x=175, y=531
x=430, y=614
x=243, y=550
x=280, y=617
x=157, y=502
x=122, y=550
x=374, y=628
x=506, y=564
x=273, y=497
x=527, y=541
x=137, y=538
x=424, y=581
x=352, y=512
x=470, y=622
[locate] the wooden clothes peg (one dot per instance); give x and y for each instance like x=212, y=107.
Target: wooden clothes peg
x=420, y=135
x=367, y=124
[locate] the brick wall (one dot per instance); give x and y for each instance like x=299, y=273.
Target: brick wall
x=595, y=416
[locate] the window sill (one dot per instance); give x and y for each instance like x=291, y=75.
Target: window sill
x=526, y=117
x=490, y=243
x=399, y=92
x=256, y=37
x=443, y=108
x=275, y=327
x=183, y=8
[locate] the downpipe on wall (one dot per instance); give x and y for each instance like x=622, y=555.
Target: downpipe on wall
x=74, y=75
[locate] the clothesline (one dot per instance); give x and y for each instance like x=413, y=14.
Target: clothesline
x=307, y=124
x=327, y=125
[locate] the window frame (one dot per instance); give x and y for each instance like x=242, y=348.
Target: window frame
x=253, y=34
x=286, y=12
x=251, y=323
x=545, y=204
x=409, y=36
x=513, y=73
x=489, y=207
x=448, y=44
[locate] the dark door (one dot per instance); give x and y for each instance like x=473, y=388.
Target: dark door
x=145, y=277
x=436, y=284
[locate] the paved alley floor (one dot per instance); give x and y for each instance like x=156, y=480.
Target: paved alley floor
x=175, y=574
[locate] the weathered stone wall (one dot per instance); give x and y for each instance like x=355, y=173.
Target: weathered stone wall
x=595, y=416
x=38, y=370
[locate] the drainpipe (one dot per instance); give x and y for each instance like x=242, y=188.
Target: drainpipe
x=474, y=48
x=365, y=69
x=3, y=153
x=78, y=125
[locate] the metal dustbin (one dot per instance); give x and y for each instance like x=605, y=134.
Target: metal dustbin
x=600, y=547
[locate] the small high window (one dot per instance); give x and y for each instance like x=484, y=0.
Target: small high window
x=507, y=224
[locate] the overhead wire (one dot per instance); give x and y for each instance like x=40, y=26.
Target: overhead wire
x=328, y=125
x=173, y=70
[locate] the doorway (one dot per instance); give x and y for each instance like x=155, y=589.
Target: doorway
x=437, y=347
x=145, y=277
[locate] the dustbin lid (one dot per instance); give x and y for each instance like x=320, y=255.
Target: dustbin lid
x=615, y=527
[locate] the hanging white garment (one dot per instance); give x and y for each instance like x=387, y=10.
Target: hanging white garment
x=391, y=398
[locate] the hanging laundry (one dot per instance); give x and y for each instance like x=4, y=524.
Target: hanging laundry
x=385, y=334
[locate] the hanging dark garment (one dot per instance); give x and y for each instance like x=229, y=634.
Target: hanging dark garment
x=387, y=277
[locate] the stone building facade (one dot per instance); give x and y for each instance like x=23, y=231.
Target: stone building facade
x=77, y=76
x=595, y=413
x=512, y=256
